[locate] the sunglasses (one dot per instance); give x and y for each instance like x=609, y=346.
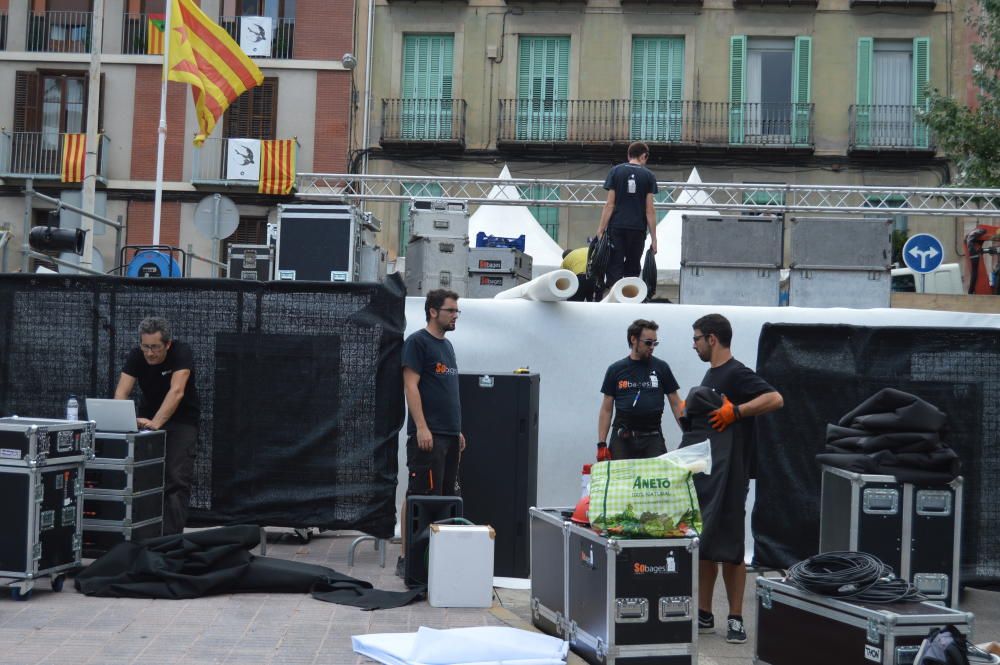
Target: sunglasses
x=650, y=342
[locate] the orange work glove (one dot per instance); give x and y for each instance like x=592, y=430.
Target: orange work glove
x=724, y=416
x=603, y=452
x=684, y=408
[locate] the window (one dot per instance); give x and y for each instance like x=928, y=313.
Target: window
x=892, y=81
x=904, y=284
x=769, y=90
x=47, y=104
x=254, y=113
x=900, y=222
x=276, y=9
x=416, y=190
x=426, y=111
x=251, y=231
x=662, y=196
x=764, y=197
x=546, y=216
x=542, y=88
x=657, y=87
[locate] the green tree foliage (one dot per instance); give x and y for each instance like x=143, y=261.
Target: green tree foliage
x=971, y=137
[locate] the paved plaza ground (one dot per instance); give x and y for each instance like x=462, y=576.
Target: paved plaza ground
x=69, y=628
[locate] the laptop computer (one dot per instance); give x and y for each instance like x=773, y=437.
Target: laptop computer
x=112, y=415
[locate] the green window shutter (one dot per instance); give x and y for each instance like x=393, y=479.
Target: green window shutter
x=427, y=86
x=801, y=89
x=737, y=86
x=662, y=196
x=547, y=216
x=863, y=100
x=542, y=88
x=657, y=87
x=921, y=80
x=414, y=189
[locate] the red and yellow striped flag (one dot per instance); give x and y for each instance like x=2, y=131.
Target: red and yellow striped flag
x=277, y=166
x=154, y=33
x=74, y=155
x=204, y=55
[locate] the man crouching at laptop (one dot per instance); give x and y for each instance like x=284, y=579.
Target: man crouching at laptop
x=164, y=369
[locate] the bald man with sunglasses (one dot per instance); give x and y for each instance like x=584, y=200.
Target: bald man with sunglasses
x=635, y=389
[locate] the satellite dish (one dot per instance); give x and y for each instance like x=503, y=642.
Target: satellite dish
x=216, y=216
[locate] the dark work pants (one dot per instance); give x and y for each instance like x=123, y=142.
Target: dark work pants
x=182, y=444
x=585, y=290
x=626, y=254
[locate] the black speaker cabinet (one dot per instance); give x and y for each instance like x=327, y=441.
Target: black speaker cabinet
x=317, y=242
x=420, y=513
x=499, y=470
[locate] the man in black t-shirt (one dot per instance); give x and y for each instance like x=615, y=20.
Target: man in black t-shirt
x=634, y=390
x=164, y=369
x=628, y=213
x=744, y=396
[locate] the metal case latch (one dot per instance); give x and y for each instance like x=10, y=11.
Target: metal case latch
x=47, y=519
x=36, y=551
x=675, y=608
x=906, y=655
x=65, y=440
x=881, y=501
x=631, y=610
x=932, y=585
x=933, y=503
x=764, y=594
x=872, y=633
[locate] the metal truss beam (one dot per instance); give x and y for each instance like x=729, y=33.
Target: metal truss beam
x=725, y=197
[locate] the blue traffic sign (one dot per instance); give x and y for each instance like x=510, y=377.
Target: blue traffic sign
x=923, y=253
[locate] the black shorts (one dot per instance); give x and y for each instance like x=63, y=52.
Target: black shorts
x=626, y=444
x=434, y=471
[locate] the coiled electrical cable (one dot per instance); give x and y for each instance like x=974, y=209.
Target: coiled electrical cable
x=854, y=575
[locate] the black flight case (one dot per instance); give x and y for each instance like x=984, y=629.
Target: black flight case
x=915, y=528
x=796, y=627
x=618, y=602
x=45, y=441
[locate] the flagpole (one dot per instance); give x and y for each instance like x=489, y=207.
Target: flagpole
x=161, y=140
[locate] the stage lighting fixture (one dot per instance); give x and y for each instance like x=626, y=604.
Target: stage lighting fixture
x=50, y=238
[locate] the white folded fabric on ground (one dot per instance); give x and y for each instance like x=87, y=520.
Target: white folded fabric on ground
x=484, y=645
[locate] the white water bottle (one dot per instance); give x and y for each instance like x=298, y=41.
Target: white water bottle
x=72, y=408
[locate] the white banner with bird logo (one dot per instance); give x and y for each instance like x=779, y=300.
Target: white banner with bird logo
x=243, y=159
x=255, y=35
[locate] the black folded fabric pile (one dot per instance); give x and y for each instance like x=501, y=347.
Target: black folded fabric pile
x=892, y=433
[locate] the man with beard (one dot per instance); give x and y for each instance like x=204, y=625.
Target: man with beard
x=634, y=390
x=744, y=396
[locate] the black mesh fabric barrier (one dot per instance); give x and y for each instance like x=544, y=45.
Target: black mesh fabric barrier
x=824, y=371
x=300, y=384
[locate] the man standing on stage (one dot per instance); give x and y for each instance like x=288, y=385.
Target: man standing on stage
x=634, y=390
x=628, y=213
x=164, y=369
x=744, y=396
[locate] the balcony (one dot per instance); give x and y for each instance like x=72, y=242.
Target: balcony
x=230, y=162
x=882, y=127
x=39, y=155
x=581, y=122
x=282, y=35
x=59, y=32
x=423, y=122
x=136, y=33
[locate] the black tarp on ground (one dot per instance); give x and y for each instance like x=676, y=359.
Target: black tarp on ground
x=300, y=384
x=825, y=371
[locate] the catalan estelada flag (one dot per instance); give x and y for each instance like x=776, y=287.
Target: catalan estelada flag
x=277, y=166
x=74, y=154
x=204, y=55
x=155, y=26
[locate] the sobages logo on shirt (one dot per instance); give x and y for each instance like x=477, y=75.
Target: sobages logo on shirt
x=441, y=368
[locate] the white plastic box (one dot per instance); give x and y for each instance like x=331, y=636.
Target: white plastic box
x=460, y=568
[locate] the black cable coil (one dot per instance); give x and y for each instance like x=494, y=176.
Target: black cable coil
x=854, y=575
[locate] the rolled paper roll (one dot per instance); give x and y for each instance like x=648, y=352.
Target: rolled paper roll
x=629, y=290
x=550, y=287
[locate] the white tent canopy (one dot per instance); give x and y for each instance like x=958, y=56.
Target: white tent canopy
x=668, y=231
x=510, y=221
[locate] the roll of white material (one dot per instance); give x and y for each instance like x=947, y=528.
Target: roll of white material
x=550, y=287
x=631, y=290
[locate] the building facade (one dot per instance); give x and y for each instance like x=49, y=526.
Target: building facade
x=44, y=61
x=817, y=92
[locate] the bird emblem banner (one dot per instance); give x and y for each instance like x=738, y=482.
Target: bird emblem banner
x=255, y=35
x=243, y=159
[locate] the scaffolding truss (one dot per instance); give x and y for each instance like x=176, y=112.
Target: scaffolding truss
x=724, y=197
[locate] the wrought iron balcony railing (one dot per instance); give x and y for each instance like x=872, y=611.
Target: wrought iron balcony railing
x=888, y=127
x=584, y=121
x=423, y=121
x=39, y=155
x=225, y=162
x=136, y=35
x=59, y=32
x=282, y=35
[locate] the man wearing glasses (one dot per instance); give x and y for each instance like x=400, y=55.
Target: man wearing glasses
x=744, y=395
x=634, y=389
x=164, y=369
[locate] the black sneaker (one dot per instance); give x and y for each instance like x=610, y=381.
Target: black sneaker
x=736, y=633
x=706, y=622
x=400, y=567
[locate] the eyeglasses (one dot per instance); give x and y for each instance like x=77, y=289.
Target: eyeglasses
x=649, y=342
x=697, y=337
x=151, y=347
x=453, y=310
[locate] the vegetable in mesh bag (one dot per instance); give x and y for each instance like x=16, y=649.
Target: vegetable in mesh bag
x=643, y=498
